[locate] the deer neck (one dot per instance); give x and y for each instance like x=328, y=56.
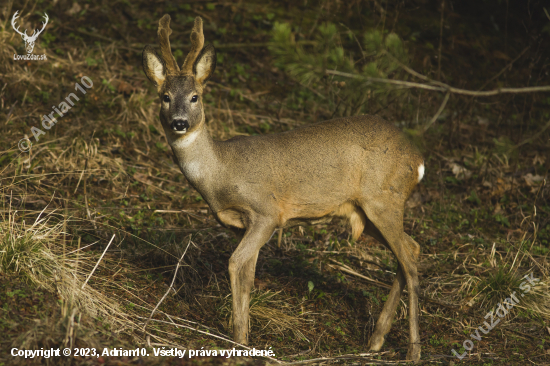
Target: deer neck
x=197, y=158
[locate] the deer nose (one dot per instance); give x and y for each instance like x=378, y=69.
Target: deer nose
x=180, y=124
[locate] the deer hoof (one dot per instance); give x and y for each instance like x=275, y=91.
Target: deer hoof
x=414, y=353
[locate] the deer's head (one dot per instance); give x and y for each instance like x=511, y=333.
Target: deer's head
x=29, y=40
x=180, y=90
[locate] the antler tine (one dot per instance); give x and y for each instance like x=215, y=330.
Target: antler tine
x=197, y=42
x=13, y=24
x=164, y=41
x=36, y=31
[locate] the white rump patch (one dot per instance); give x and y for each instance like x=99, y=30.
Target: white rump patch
x=420, y=172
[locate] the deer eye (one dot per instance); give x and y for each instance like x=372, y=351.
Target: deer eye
x=166, y=98
x=194, y=99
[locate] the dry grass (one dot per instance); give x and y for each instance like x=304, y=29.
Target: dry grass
x=269, y=310
x=37, y=252
x=106, y=169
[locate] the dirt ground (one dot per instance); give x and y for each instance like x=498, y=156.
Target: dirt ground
x=103, y=177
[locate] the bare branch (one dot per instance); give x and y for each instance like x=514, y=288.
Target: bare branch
x=441, y=107
x=535, y=136
x=438, y=86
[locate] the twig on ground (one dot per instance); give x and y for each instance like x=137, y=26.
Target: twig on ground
x=535, y=136
x=347, y=269
x=10, y=112
x=203, y=332
x=99, y=260
x=352, y=272
x=171, y=285
x=87, y=206
x=366, y=360
x=198, y=331
x=201, y=218
x=81, y=174
x=521, y=334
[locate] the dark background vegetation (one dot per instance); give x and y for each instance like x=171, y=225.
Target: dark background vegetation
x=481, y=214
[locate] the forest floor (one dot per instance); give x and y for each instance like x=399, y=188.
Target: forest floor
x=104, y=176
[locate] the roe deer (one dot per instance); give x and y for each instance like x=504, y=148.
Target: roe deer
x=361, y=168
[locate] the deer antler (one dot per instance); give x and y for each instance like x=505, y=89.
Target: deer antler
x=17, y=29
x=164, y=41
x=34, y=34
x=197, y=42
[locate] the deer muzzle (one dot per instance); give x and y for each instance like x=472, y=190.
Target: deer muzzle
x=180, y=125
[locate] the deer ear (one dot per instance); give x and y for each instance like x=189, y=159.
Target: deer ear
x=153, y=66
x=205, y=64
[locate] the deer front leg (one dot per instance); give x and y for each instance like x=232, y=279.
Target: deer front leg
x=242, y=266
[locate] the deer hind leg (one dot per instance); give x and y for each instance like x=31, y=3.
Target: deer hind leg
x=385, y=320
x=386, y=223
x=242, y=266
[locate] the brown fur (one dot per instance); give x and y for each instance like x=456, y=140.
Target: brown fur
x=164, y=32
x=360, y=168
x=197, y=43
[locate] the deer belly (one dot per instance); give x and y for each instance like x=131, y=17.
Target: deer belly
x=231, y=217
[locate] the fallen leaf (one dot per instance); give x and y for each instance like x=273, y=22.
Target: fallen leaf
x=460, y=172
x=532, y=180
x=125, y=88
x=74, y=9
x=539, y=159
